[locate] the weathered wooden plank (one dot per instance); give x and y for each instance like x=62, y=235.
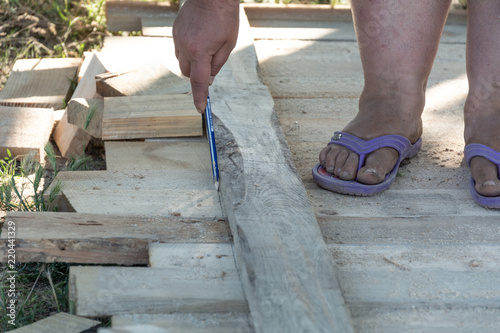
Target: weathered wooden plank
x=158, y=155
x=139, y=117
x=160, y=27
x=79, y=110
x=142, y=193
x=43, y=83
x=86, y=88
x=465, y=230
x=147, y=80
x=70, y=139
x=104, y=239
x=23, y=130
x=60, y=322
x=186, y=322
x=126, y=15
x=105, y=291
x=287, y=288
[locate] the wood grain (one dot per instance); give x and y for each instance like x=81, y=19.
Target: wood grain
x=23, y=130
x=139, y=117
x=104, y=239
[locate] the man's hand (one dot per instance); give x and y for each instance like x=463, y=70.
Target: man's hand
x=205, y=33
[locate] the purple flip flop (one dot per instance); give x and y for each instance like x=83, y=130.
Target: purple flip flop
x=475, y=149
x=362, y=147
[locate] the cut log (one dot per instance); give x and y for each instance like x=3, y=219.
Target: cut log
x=158, y=155
x=288, y=288
x=39, y=83
x=142, y=192
x=60, y=322
x=139, y=117
x=70, y=139
x=23, y=130
x=86, y=114
x=152, y=80
x=103, y=239
x=105, y=291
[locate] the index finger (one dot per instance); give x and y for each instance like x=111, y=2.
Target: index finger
x=200, y=80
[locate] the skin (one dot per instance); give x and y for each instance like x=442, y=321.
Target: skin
x=398, y=42
x=482, y=107
x=205, y=33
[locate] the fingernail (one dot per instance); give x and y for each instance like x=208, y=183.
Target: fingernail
x=212, y=78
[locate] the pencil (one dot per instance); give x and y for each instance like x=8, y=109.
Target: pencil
x=211, y=141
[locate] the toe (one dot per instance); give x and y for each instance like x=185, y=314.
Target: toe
x=339, y=161
x=485, y=174
x=377, y=165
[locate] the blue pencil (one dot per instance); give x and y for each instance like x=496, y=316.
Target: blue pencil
x=211, y=141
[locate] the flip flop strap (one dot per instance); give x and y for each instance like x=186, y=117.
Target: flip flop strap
x=364, y=147
x=475, y=149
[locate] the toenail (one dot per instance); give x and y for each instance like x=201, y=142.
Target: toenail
x=372, y=171
x=330, y=170
x=489, y=183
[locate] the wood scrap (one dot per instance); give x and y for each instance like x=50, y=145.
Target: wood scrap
x=139, y=117
x=86, y=114
x=70, y=139
x=86, y=88
x=150, y=80
x=44, y=83
x=104, y=239
x=60, y=322
x=23, y=130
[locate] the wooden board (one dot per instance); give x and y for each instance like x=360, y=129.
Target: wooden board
x=158, y=155
x=126, y=15
x=142, y=193
x=289, y=287
x=78, y=110
x=86, y=88
x=104, y=291
x=149, y=80
x=70, y=139
x=185, y=322
x=161, y=27
x=38, y=83
x=60, y=322
x=103, y=239
x=139, y=117
x=25, y=129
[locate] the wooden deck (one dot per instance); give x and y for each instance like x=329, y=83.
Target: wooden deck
x=272, y=252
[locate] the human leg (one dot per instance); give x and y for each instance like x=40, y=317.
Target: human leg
x=398, y=41
x=482, y=107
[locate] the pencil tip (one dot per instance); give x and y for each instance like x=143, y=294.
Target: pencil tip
x=216, y=186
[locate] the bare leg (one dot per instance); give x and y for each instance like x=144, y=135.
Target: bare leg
x=482, y=107
x=398, y=41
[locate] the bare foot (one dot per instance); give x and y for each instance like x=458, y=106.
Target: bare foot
x=482, y=123
x=379, y=114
